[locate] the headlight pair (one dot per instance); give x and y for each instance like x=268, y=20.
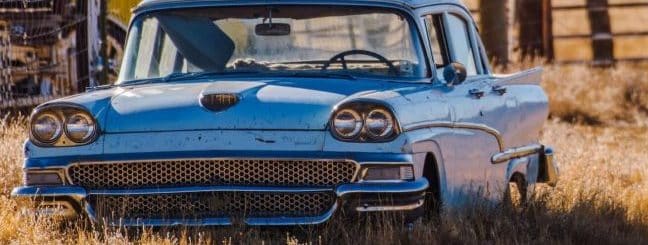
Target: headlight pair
x=364, y=123
x=62, y=125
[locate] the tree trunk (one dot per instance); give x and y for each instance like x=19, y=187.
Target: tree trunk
x=494, y=29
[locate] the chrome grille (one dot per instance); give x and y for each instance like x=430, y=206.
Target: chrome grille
x=191, y=172
x=213, y=205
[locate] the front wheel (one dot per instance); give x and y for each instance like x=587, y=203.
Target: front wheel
x=430, y=210
x=516, y=193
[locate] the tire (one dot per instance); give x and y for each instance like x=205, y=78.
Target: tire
x=430, y=210
x=516, y=195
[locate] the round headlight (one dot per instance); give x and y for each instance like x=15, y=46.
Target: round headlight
x=347, y=123
x=379, y=124
x=79, y=127
x=46, y=128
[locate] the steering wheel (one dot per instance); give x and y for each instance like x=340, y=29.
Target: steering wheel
x=340, y=57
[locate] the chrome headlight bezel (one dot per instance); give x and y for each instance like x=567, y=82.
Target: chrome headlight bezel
x=63, y=112
x=356, y=121
x=89, y=124
x=364, y=109
x=371, y=120
x=57, y=132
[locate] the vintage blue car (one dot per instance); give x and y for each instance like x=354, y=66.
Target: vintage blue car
x=269, y=112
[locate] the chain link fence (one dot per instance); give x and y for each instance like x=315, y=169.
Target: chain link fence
x=43, y=50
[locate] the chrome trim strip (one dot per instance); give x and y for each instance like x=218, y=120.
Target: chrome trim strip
x=460, y=125
x=80, y=193
x=77, y=193
x=199, y=189
x=67, y=168
x=390, y=208
x=517, y=152
x=403, y=187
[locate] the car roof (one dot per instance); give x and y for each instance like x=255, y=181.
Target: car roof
x=147, y=5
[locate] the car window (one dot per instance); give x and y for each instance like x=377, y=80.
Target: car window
x=324, y=40
x=461, y=45
x=434, y=27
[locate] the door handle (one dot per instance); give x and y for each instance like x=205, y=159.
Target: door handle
x=499, y=90
x=477, y=93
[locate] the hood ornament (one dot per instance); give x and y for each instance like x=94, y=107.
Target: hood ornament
x=218, y=102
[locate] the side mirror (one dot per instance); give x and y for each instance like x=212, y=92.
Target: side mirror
x=454, y=74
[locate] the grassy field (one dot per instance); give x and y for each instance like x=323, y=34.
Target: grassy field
x=598, y=127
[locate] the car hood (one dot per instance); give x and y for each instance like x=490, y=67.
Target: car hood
x=272, y=104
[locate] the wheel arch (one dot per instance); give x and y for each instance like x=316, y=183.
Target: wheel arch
x=433, y=165
x=432, y=172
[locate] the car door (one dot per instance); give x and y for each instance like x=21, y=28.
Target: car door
x=477, y=108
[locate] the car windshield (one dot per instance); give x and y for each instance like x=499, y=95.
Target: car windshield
x=277, y=40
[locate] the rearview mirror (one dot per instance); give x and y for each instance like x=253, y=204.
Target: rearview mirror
x=272, y=29
x=454, y=74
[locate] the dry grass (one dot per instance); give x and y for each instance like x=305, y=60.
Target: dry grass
x=616, y=96
x=598, y=126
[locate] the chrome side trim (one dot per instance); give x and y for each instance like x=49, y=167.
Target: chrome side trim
x=518, y=152
x=390, y=208
x=457, y=125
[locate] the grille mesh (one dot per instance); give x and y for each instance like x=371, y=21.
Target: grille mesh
x=212, y=205
x=127, y=175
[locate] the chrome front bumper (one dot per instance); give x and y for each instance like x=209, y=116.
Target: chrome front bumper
x=76, y=197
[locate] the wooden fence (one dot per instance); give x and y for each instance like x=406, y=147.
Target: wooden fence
x=600, y=32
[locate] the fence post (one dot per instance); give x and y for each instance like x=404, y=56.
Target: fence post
x=602, y=42
x=494, y=29
x=81, y=51
x=529, y=14
x=102, y=75
x=547, y=30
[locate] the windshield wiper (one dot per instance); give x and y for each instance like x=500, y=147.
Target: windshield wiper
x=323, y=75
x=196, y=75
x=183, y=76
